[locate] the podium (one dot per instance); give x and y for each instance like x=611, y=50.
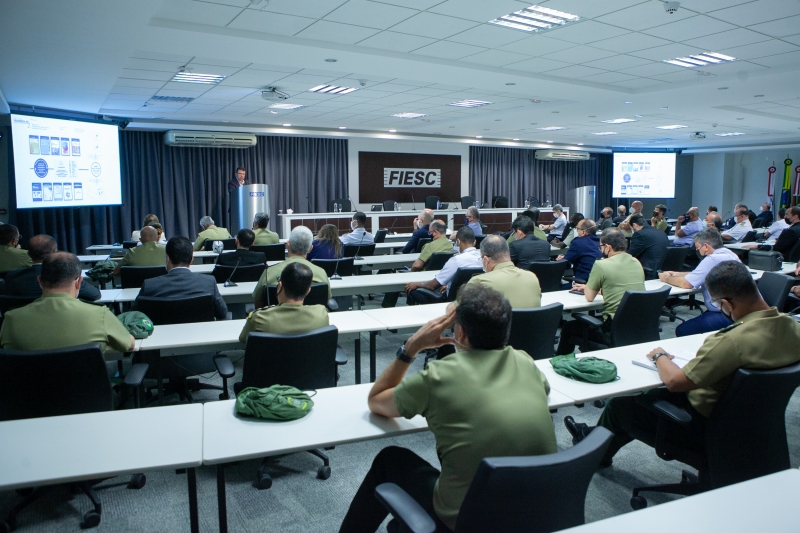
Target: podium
x=246, y=201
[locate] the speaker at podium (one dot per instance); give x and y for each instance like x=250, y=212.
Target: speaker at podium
x=246, y=201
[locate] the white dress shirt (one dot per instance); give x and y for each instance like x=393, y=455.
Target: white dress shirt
x=739, y=230
x=469, y=258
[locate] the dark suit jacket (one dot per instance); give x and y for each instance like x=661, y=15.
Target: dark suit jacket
x=421, y=233
x=766, y=216
x=23, y=282
x=786, y=241
x=245, y=258
x=530, y=249
x=183, y=283
x=649, y=246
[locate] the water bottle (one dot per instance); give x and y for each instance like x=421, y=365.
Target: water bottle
x=335, y=207
x=438, y=204
x=217, y=247
x=527, y=204
x=396, y=206
x=476, y=204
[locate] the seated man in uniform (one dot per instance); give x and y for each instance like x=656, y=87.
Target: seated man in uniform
x=583, y=251
x=439, y=244
x=485, y=400
x=12, y=257
x=290, y=315
x=421, y=230
x=760, y=337
x=520, y=287
x=299, y=244
x=180, y=282
x=242, y=256
x=359, y=235
x=659, y=220
x=612, y=276
x=25, y=281
x=58, y=319
x=210, y=233
x=263, y=234
x=527, y=247
x=741, y=228
x=150, y=253
x=625, y=225
x=532, y=214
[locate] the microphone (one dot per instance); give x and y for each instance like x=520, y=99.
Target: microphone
x=336, y=268
x=228, y=282
x=352, y=203
x=392, y=226
x=356, y=256
x=413, y=204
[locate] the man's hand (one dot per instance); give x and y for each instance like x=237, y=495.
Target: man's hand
x=797, y=269
x=579, y=287
x=411, y=285
x=560, y=257
x=795, y=290
x=750, y=246
x=664, y=275
x=681, y=219
x=430, y=335
x=657, y=350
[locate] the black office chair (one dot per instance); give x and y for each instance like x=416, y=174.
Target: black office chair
x=549, y=273
x=676, y=256
x=536, y=494
x=129, y=244
x=240, y=274
x=380, y=236
x=133, y=277
x=758, y=223
x=774, y=288
x=343, y=203
x=388, y=205
x=745, y=435
x=437, y=261
x=750, y=236
x=534, y=330
x=363, y=249
x=345, y=266
x=305, y=360
x=534, y=202
x=7, y=303
x=500, y=202
x=461, y=277
x=479, y=240
x=67, y=381
x=227, y=244
x=467, y=201
x=317, y=296
x=273, y=252
x=431, y=202
x=421, y=243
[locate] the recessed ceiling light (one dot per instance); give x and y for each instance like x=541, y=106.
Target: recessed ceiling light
x=534, y=19
x=580, y=144
x=286, y=125
x=332, y=89
x=700, y=60
x=342, y=127
x=498, y=120
x=592, y=116
x=479, y=136
x=733, y=134
x=193, y=77
x=672, y=127
x=758, y=96
x=722, y=88
x=637, y=116
x=605, y=133
x=739, y=118
x=511, y=83
x=470, y=103
x=286, y=106
x=549, y=142
x=274, y=112
x=331, y=60
x=534, y=123
x=514, y=139
x=551, y=128
x=536, y=101
x=159, y=98
x=409, y=115
x=663, y=108
x=554, y=112
x=619, y=120
x=628, y=102
x=392, y=131
x=485, y=129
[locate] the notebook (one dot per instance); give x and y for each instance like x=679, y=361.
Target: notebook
x=681, y=358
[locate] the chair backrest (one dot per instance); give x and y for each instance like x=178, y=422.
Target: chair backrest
x=317, y=296
x=535, y=494
x=534, y=330
x=676, y=255
x=362, y=249
x=304, y=360
x=794, y=254
x=227, y=244
x=746, y=432
x=750, y=236
x=7, y=303
x=133, y=277
x=500, y=202
x=479, y=240
x=549, y=273
x=221, y=273
x=431, y=201
x=421, y=243
x=67, y=381
x=637, y=316
x=436, y=261
x=758, y=223
x=343, y=203
x=467, y=201
x=273, y=252
x=129, y=244
x=460, y=278
x=380, y=235
x=345, y=267
x=163, y=311
x=388, y=205
x=774, y=288
x=534, y=201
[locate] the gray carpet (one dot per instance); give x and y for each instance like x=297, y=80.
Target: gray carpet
x=298, y=502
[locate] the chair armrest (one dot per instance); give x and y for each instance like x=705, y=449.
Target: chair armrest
x=671, y=412
x=135, y=375
x=404, y=508
x=332, y=305
x=224, y=366
x=590, y=321
x=429, y=296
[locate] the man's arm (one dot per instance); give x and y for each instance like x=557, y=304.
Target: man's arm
x=676, y=279
x=220, y=307
x=678, y=231
x=637, y=246
x=431, y=285
x=671, y=374
x=417, y=266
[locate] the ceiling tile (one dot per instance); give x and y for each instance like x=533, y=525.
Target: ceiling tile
x=756, y=50
x=478, y=10
x=690, y=28
x=781, y=60
x=370, y=14
x=779, y=28
x=758, y=12
x=411, y=4
x=234, y=3
x=579, y=54
x=537, y=64
x=488, y=36
x=306, y=79
x=448, y=50
x=307, y=8
x=253, y=78
x=144, y=54
x=220, y=62
x=335, y=32
x=427, y=91
x=586, y=32
x=642, y=16
x=122, y=105
x=140, y=97
x=641, y=83
x=670, y=51
x=132, y=91
x=265, y=22
x=706, y=6
x=726, y=39
x=433, y=26
x=630, y=42
x=496, y=58
x=618, y=62
x=653, y=69
x=197, y=12
x=682, y=76
x=574, y=71
x=397, y=42
x=154, y=75
x=150, y=64
x=186, y=88
x=608, y=77
x=537, y=45
x=211, y=69
x=274, y=68
x=230, y=93
x=795, y=39
x=149, y=84
x=585, y=9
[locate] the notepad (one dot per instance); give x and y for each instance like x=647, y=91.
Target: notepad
x=681, y=358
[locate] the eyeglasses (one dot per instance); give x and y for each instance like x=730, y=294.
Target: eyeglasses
x=716, y=302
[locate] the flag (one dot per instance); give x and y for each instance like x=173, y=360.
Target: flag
x=770, y=181
x=796, y=190
x=787, y=184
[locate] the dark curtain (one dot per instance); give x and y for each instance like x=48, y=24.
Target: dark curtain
x=181, y=185
x=517, y=174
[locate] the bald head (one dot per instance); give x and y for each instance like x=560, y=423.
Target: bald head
x=148, y=234
x=637, y=206
x=40, y=246
x=426, y=216
x=693, y=213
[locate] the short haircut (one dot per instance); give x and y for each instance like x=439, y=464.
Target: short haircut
x=426, y=216
x=732, y=280
x=495, y=248
x=588, y=225
x=261, y=220
x=246, y=238
x=693, y=210
x=484, y=315
x=150, y=218
x=8, y=232
x=742, y=206
x=40, y=246
x=710, y=236
x=614, y=238
x=716, y=219
x=781, y=213
x=741, y=211
x=637, y=219
x=438, y=225
x=558, y=207
x=473, y=212
x=621, y=209
x=179, y=251
x=575, y=218
x=360, y=218
x=300, y=240
x=206, y=221
x=158, y=226
x=712, y=208
x=637, y=202
x=296, y=280
x=60, y=269
x=532, y=214
x=241, y=168
x=794, y=211
x=524, y=224
x=466, y=235
x=148, y=234
x=607, y=211
x=662, y=208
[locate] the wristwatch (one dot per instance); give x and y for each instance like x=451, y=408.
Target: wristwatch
x=401, y=354
x=657, y=355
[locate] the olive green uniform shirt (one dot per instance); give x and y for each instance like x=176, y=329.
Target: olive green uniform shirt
x=285, y=319
x=536, y=231
x=613, y=276
x=440, y=245
x=478, y=403
x=520, y=287
x=763, y=339
x=213, y=233
x=13, y=258
x=265, y=236
x=629, y=232
x=271, y=275
x=662, y=224
x=148, y=254
x=58, y=321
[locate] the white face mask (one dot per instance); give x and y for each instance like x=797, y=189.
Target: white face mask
x=420, y=224
x=353, y=225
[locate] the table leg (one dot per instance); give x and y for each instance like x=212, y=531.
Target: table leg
x=193, y=517
x=373, y=335
x=358, y=359
x=221, y=503
x=160, y=379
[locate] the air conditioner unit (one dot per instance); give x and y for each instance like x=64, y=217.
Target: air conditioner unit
x=562, y=155
x=209, y=139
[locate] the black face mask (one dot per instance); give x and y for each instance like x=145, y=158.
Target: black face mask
x=788, y=220
x=466, y=221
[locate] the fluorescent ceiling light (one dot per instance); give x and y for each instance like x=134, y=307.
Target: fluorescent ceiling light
x=514, y=139
x=619, y=121
x=332, y=89
x=286, y=106
x=286, y=125
x=535, y=18
x=479, y=136
x=605, y=133
x=700, y=60
x=342, y=127
x=728, y=134
x=672, y=127
x=193, y=77
x=470, y=103
x=551, y=128
x=409, y=115
x=158, y=98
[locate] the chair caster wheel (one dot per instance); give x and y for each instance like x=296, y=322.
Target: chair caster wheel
x=90, y=519
x=638, y=502
x=137, y=481
x=263, y=480
x=599, y=403
x=324, y=472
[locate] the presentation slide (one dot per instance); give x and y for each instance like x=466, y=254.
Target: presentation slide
x=644, y=175
x=65, y=163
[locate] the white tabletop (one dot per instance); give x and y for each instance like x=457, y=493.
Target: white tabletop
x=61, y=449
x=768, y=504
x=378, y=283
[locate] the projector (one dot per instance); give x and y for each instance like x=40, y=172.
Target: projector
x=696, y=136
x=271, y=93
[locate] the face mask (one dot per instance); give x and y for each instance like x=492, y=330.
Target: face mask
x=788, y=220
x=353, y=225
x=699, y=254
x=419, y=224
x=722, y=308
x=466, y=221
x=603, y=253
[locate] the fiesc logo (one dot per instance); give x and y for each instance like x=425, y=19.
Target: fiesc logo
x=412, y=177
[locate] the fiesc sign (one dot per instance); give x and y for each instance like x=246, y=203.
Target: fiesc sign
x=412, y=177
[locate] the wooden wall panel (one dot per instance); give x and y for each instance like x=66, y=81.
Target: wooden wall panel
x=370, y=177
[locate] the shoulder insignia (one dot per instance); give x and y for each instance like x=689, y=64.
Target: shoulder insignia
x=732, y=326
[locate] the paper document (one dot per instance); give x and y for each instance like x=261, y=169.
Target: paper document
x=681, y=357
